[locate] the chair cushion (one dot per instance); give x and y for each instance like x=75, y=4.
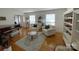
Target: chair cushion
x=47, y=27
x=35, y=25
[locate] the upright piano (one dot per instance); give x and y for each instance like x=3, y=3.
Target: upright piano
x=5, y=31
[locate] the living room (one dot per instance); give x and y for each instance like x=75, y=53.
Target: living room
x=37, y=29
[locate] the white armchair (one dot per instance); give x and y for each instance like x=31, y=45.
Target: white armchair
x=34, y=27
x=49, y=30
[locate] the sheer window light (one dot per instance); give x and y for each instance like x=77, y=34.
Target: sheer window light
x=32, y=19
x=50, y=19
x=17, y=19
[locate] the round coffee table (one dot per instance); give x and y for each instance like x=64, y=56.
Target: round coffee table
x=32, y=35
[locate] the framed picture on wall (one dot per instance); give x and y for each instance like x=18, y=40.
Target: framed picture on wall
x=2, y=18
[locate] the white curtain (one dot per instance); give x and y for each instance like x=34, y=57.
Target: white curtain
x=32, y=19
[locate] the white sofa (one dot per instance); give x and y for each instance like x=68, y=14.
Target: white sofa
x=49, y=31
x=35, y=27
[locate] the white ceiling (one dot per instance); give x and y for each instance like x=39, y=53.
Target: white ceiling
x=25, y=10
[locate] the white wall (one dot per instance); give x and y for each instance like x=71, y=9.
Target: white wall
x=57, y=12
x=9, y=14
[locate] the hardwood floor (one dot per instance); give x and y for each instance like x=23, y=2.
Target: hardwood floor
x=55, y=40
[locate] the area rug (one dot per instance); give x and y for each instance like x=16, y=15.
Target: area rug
x=31, y=46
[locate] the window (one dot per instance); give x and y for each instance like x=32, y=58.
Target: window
x=32, y=19
x=50, y=19
x=17, y=19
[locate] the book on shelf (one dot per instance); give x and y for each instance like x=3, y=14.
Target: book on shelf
x=68, y=23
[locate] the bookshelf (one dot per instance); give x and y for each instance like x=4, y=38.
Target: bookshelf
x=68, y=26
x=71, y=27
x=77, y=21
x=76, y=36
